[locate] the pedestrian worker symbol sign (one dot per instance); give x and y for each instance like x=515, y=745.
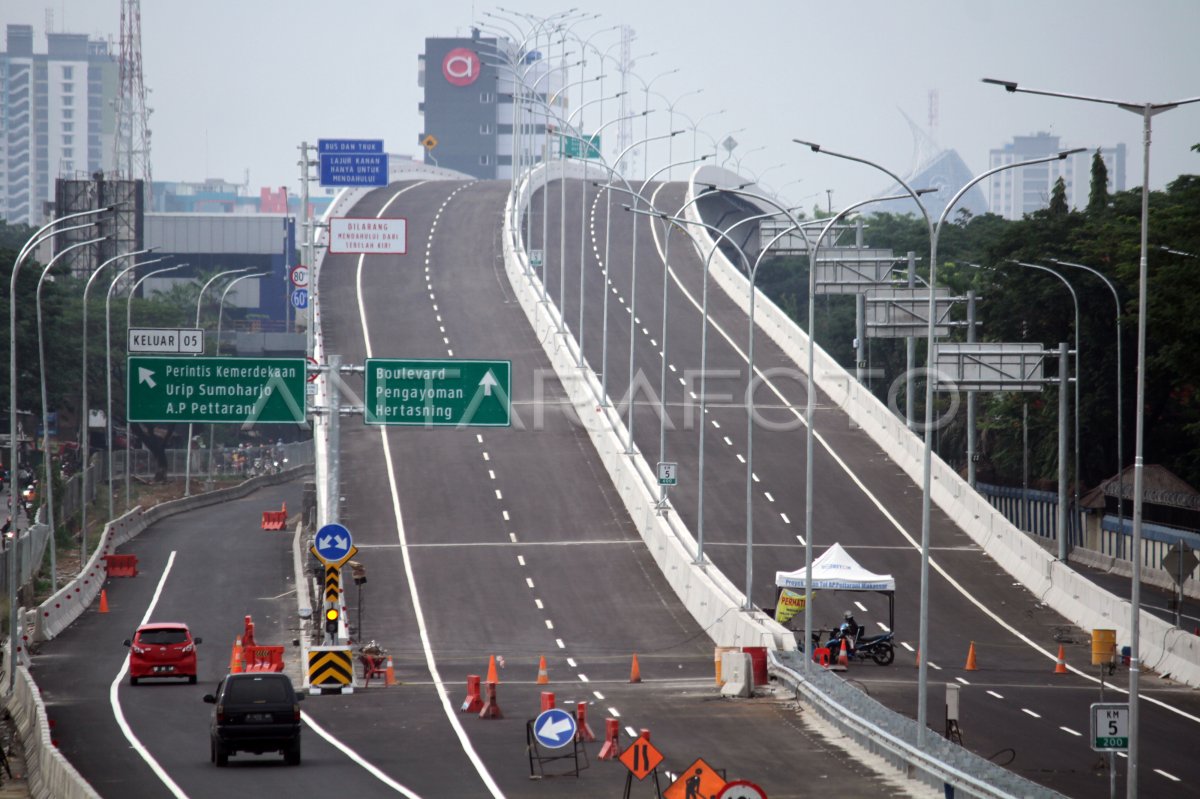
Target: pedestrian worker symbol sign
x=698, y=780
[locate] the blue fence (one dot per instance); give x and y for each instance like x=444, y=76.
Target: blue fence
x=1035, y=512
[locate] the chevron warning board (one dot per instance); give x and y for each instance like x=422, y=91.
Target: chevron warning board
x=333, y=579
x=331, y=669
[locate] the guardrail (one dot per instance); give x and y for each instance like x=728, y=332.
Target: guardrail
x=714, y=602
x=49, y=775
x=892, y=736
x=1164, y=648
x=57, y=613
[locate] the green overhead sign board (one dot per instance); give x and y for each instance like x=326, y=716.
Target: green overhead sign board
x=437, y=393
x=575, y=147
x=198, y=389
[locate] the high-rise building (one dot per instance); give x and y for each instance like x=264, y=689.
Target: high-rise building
x=57, y=117
x=468, y=106
x=1016, y=192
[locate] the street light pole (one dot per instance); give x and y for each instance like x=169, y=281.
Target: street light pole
x=1120, y=414
x=187, y=469
x=47, y=460
x=108, y=416
x=1063, y=522
x=128, y=319
x=85, y=445
x=220, y=317
x=1147, y=111
x=43, y=233
x=931, y=361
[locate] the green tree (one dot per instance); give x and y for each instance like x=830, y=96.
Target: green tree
x=1058, y=199
x=1098, y=196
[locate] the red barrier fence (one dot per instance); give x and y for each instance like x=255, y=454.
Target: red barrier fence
x=121, y=565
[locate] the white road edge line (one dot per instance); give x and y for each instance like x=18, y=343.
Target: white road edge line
x=115, y=699
x=442, y=691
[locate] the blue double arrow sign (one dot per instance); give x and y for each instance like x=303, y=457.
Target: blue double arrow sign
x=333, y=545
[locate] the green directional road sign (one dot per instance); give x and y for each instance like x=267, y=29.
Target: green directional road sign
x=430, y=393
x=244, y=390
x=575, y=147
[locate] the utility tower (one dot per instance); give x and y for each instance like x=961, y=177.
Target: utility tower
x=131, y=149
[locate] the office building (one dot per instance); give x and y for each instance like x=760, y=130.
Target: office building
x=1016, y=192
x=57, y=117
x=468, y=106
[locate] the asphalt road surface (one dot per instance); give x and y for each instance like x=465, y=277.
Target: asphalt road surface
x=505, y=542
x=1014, y=707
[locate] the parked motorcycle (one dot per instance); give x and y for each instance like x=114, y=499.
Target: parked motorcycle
x=879, y=648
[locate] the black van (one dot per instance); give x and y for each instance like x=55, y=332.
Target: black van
x=255, y=712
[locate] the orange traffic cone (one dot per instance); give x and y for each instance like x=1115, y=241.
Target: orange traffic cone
x=543, y=675
x=389, y=674
x=1061, y=666
x=635, y=671
x=492, y=677
x=971, y=659
x=844, y=655
x=103, y=601
x=235, y=657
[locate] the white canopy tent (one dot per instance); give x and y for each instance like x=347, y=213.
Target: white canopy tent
x=835, y=570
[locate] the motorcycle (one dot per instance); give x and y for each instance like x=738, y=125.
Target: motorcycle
x=878, y=648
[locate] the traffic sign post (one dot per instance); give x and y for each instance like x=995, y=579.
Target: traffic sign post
x=166, y=340
x=368, y=236
x=352, y=162
x=221, y=390
x=741, y=789
x=437, y=393
x=641, y=757
x=333, y=545
x=698, y=779
x=1110, y=726
x=553, y=729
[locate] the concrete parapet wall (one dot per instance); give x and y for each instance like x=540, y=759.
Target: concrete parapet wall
x=714, y=602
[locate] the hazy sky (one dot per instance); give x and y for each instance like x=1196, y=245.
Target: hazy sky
x=237, y=84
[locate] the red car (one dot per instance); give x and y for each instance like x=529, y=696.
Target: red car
x=164, y=649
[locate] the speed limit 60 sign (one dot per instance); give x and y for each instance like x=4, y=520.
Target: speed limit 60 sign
x=1110, y=726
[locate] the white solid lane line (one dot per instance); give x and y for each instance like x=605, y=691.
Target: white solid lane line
x=442, y=692
x=115, y=699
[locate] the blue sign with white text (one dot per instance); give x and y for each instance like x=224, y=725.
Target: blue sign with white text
x=352, y=162
x=299, y=298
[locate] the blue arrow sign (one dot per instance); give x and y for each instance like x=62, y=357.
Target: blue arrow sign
x=333, y=542
x=554, y=728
